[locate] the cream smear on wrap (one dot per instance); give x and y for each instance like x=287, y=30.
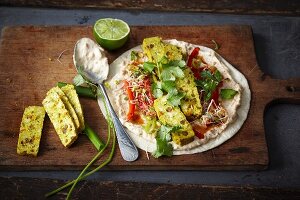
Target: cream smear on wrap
x=237, y=107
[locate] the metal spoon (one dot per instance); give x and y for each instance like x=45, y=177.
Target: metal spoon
x=89, y=59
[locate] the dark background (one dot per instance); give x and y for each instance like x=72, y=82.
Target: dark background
x=276, y=32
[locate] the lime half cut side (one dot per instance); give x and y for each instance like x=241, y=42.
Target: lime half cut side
x=111, y=33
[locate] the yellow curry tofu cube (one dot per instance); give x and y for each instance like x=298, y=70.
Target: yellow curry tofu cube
x=153, y=48
x=31, y=130
x=172, y=116
x=60, y=118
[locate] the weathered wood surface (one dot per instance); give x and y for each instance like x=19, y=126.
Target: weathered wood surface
x=22, y=188
x=29, y=68
x=278, y=7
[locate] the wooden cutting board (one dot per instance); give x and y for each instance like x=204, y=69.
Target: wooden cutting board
x=29, y=68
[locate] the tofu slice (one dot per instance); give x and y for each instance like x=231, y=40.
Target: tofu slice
x=190, y=104
x=71, y=93
x=60, y=118
x=172, y=116
x=31, y=130
x=154, y=49
x=68, y=105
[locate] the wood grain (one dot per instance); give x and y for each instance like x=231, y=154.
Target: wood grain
x=278, y=7
x=21, y=188
x=28, y=69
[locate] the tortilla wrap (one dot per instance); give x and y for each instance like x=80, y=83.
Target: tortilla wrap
x=237, y=108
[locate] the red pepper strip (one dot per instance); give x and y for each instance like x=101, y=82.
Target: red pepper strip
x=198, y=134
x=215, y=95
x=130, y=95
x=193, y=55
x=199, y=130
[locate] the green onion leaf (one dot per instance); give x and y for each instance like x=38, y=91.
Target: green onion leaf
x=228, y=93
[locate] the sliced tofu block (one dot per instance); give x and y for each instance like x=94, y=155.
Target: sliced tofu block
x=154, y=49
x=60, y=118
x=173, y=52
x=190, y=104
x=68, y=105
x=71, y=93
x=31, y=130
x=172, y=116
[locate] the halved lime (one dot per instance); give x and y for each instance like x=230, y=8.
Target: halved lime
x=111, y=33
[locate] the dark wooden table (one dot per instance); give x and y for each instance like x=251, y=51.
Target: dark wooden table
x=277, y=45
x=278, y=7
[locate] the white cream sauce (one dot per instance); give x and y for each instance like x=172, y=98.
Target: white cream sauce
x=91, y=58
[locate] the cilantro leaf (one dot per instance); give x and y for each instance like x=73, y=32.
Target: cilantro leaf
x=218, y=76
x=209, y=82
x=179, y=63
x=156, y=89
x=169, y=73
x=163, y=147
x=228, y=93
x=163, y=60
x=206, y=74
x=149, y=66
x=169, y=86
x=167, y=76
x=175, y=99
x=176, y=71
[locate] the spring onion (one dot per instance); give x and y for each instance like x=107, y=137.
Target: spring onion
x=83, y=175
x=94, y=138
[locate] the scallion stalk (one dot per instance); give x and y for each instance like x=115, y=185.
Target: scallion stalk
x=94, y=138
x=108, y=160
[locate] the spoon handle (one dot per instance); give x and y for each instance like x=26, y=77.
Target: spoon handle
x=128, y=149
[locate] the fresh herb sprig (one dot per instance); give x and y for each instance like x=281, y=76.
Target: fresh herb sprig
x=209, y=83
x=163, y=138
x=167, y=73
x=228, y=93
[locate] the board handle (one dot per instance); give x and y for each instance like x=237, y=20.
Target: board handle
x=283, y=91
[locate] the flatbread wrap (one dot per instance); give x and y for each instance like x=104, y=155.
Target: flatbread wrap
x=177, y=98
